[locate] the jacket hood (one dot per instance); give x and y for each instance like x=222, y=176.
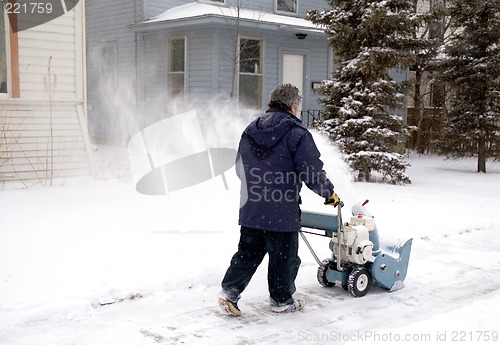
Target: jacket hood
x=266, y=131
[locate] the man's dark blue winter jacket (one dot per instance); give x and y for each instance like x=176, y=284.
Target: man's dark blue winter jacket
x=276, y=154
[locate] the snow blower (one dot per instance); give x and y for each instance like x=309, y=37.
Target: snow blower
x=359, y=258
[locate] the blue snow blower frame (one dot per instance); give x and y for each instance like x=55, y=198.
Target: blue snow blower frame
x=386, y=266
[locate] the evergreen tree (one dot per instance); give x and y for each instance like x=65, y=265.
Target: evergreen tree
x=472, y=71
x=369, y=37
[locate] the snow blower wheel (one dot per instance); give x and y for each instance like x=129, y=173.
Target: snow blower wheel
x=359, y=282
x=344, y=284
x=322, y=270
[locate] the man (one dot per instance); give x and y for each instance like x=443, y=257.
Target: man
x=276, y=155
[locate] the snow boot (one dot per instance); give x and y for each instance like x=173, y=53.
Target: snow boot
x=229, y=307
x=295, y=305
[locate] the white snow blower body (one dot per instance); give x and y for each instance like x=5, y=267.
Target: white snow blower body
x=359, y=258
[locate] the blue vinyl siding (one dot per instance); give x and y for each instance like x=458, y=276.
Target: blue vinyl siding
x=200, y=67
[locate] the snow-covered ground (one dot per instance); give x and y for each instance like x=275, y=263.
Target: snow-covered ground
x=91, y=261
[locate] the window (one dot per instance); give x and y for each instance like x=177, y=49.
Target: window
x=107, y=66
x=287, y=6
x=3, y=52
x=436, y=30
x=176, y=71
x=436, y=27
x=250, y=76
x=437, y=95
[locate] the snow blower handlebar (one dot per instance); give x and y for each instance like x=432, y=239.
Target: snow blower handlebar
x=311, y=249
x=340, y=236
x=328, y=231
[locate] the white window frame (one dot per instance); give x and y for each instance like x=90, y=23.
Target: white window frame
x=184, y=72
x=261, y=67
x=296, y=13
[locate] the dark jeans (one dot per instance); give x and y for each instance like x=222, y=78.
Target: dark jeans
x=284, y=263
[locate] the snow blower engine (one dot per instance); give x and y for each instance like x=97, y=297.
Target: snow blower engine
x=359, y=258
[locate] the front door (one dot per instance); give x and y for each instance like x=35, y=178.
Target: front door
x=293, y=72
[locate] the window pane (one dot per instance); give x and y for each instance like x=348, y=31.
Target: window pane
x=3, y=53
x=108, y=66
x=250, y=77
x=250, y=56
x=176, y=75
x=437, y=95
x=176, y=55
x=176, y=85
x=435, y=30
x=287, y=6
x=251, y=91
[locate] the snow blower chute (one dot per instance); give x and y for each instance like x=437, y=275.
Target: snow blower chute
x=359, y=258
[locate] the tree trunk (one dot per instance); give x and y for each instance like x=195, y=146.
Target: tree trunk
x=481, y=156
x=236, y=59
x=417, y=100
x=368, y=176
x=482, y=150
x=364, y=175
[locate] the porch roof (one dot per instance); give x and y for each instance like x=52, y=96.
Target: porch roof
x=203, y=13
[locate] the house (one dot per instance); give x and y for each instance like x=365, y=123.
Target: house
x=150, y=59
x=43, y=125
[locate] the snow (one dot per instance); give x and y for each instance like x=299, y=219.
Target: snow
x=91, y=261
x=198, y=10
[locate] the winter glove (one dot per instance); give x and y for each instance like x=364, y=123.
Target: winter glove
x=334, y=200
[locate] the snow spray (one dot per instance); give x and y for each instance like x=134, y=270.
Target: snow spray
x=336, y=168
x=186, y=149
